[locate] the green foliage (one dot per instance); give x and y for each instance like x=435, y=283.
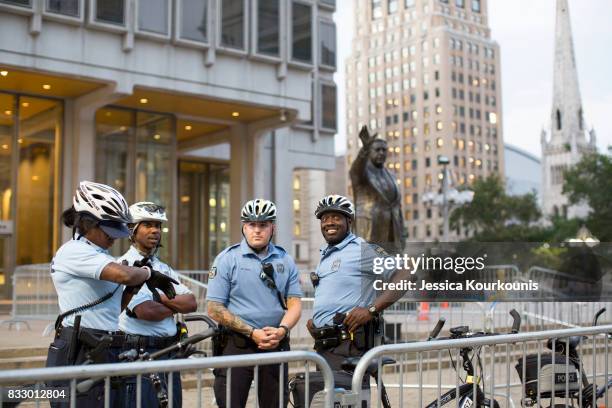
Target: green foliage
x=494, y=216
x=590, y=181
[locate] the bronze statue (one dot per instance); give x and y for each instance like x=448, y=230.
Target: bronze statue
x=378, y=200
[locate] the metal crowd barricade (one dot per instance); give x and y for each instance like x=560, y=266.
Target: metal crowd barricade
x=106, y=371
x=406, y=381
x=34, y=296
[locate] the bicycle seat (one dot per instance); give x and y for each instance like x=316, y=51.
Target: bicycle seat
x=350, y=363
x=561, y=343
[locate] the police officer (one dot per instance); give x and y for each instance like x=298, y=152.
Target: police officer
x=346, y=309
x=148, y=321
x=254, y=293
x=89, y=284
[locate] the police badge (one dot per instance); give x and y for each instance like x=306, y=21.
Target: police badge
x=280, y=268
x=212, y=273
x=336, y=265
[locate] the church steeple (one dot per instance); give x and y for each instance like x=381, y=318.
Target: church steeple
x=567, y=141
x=567, y=116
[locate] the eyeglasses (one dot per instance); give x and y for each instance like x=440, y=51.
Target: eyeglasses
x=153, y=208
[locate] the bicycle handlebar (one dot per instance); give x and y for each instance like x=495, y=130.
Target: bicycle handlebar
x=436, y=330
x=599, y=313
x=516, y=321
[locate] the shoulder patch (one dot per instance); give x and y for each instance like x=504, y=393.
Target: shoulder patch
x=280, y=267
x=336, y=265
x=379, y=250
x=212, y=273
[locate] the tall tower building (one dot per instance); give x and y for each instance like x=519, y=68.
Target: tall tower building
x=425, y=75
x=567, y=140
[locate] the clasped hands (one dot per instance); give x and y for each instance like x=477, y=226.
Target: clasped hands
x=268, y=338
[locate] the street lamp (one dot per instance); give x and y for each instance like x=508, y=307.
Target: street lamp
x=449, y=198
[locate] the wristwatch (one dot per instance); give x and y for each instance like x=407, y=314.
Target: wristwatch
x=286, y=330
x=372, y=310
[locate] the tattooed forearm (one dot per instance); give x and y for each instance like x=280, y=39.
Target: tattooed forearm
x=218, y=312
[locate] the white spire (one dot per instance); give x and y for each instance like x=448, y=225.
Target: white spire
x=566, y=116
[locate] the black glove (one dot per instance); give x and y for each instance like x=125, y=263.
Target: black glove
x=131, y=289
x=160, y=281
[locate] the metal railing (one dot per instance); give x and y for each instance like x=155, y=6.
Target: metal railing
x=497, y=380
x=34, y=295
x=106, y=371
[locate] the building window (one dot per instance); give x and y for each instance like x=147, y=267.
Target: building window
x=391, y=6
x=110, y=11
x=409, y=3
x=328, y=107
x=329, y=2
x=268, y=23
x=301, y=17
x=194, y=20
x=22, y=3
x=232, y=24
x=476, y=6
x=296, y=205
x=327, y=35
x=153, y=16
x=376, y=9
x=65, y=7
x=296, y=183
x=460, y=3
x=297, y=229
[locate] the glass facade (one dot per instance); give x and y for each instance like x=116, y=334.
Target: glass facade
x=135, y=156
x=301, y=29
x=153, y=16
x=194, y=20
x=232, y=24
x=30, y=132
x=268, y=26
x=203, y=215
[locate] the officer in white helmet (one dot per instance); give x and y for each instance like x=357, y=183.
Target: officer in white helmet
x=254, y=293
x=89, y=284
x=346, y=310
x=148, y=320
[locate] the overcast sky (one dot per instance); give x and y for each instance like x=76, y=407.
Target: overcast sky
x=524, y=30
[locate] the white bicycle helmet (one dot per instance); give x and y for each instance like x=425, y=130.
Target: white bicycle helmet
x=147, y=211
x=335, y=202
x=258, y=210
x=106, y=205
x=101, y=201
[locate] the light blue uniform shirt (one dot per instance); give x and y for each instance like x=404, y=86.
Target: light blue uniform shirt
x=346, y=278
x=234, y=280
x=163, y=328
x=75, y=270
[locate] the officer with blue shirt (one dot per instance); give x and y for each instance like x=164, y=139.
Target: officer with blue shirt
x=344, y=290
x=254, y=293
x=148, y=321
x=89, y=284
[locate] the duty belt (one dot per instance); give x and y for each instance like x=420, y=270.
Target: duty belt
x=118, y=338
x=330, y=336
x=134, y=340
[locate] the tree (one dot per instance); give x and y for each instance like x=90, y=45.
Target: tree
x=494, y=216
x=590, y=181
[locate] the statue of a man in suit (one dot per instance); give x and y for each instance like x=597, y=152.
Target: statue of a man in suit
x=378, y=200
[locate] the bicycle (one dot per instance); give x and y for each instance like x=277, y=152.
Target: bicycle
x=570, y=379
x=465, y=392
x=343, y=378
x=183, y=349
